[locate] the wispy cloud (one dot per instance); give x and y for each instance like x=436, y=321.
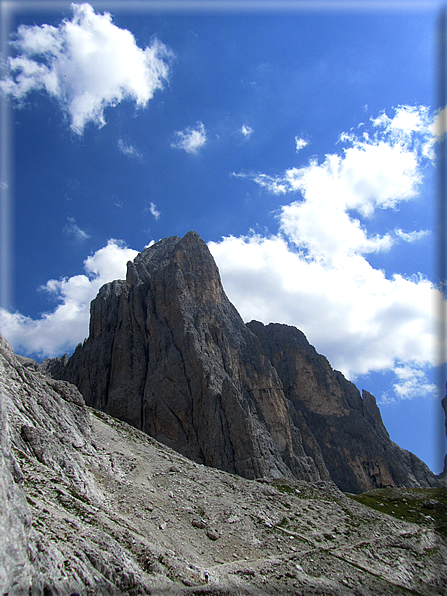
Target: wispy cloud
x=72, y=229
x=300, y=144
x=128, y=150
x=153, y=209
x=247, y=131
x=87, y=64
x=190, y=139
x=315, y=273
x=413, y=236
x=411, y=382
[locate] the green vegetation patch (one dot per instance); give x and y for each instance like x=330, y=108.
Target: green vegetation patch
x=284, y=486
x=423, y=506
x=301, y=489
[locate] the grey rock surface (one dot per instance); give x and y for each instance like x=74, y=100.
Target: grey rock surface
x=91, y=505
x=346, y=430
x=169, y=354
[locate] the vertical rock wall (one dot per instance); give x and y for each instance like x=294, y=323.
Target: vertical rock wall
x=168, y=353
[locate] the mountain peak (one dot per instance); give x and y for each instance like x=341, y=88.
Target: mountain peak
x=169, y=353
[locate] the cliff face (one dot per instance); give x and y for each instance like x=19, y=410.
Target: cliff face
x=168, y=353
x=344, y=428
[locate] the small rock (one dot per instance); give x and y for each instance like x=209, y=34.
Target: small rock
x=213, y=534
x=199, y=523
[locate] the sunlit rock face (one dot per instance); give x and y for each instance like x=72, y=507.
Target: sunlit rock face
x=337, y=423
x=168, y=353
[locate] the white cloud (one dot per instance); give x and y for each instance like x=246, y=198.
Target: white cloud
x=72, y=229
x=128, y=150
x=350, y=311
x=412, y=236
x=412, y=126
x=411, y=382
x=190, y=139
x=87, y=64
x=153, y=209
x=368, y=175
x=314, y=273
x=67, y=325
x=274, y=185
x=300, y=143
x=247, y=131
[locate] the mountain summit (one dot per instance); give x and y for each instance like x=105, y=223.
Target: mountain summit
x=168, y=353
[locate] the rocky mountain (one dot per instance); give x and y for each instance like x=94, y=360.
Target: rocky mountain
x=90, y=505
x=169, y=354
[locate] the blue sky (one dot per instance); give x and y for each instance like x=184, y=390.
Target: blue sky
x=299, y=143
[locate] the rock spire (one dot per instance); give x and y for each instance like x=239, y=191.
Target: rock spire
x=168, y=353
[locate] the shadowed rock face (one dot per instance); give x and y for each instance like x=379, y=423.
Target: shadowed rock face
x=169, y=354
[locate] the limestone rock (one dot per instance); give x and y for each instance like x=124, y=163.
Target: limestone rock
x=345, y=429
x=168, y=353
x=213, y=534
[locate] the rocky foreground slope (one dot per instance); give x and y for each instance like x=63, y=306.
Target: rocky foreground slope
x=169, y=354
x=93, y=506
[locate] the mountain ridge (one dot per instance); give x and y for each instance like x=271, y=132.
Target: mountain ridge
x=168, y=353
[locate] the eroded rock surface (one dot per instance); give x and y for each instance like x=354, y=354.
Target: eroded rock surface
x=344, y=428
x=169, y=354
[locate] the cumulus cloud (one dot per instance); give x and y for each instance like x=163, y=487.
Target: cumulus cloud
x=413, y=127
x=86, y=64
x=190, y=139
x=350, y=311
x=315, y=272
x=72, y=229
x=247, y=131
x=128, y=150
x=62, y=329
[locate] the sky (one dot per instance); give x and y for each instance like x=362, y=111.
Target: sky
x=300, y=140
